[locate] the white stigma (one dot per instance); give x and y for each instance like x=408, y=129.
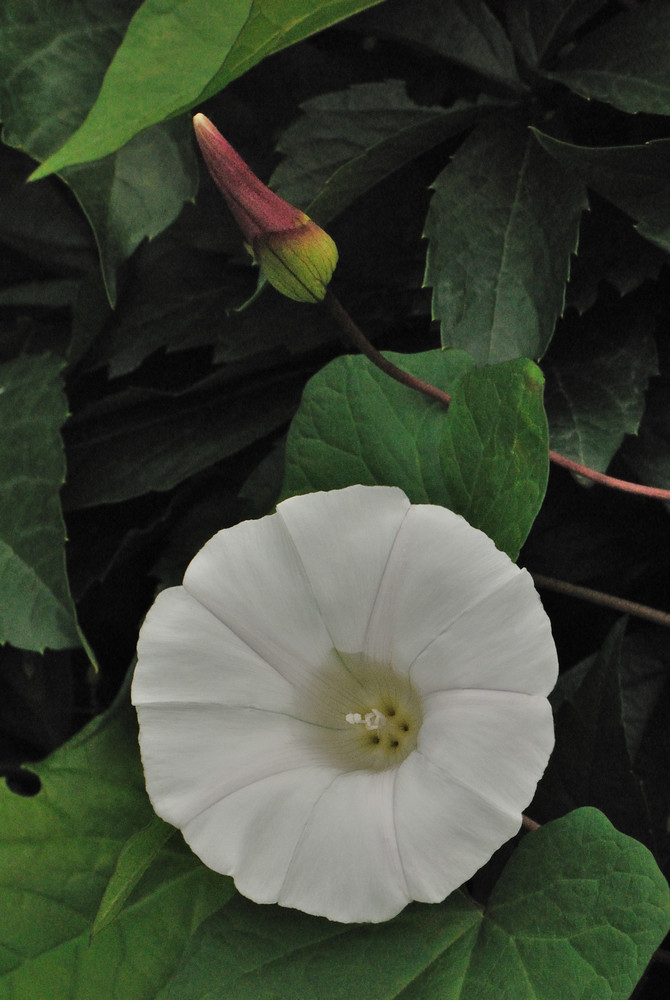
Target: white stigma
x=373, y=720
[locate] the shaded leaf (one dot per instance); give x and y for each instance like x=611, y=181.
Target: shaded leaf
x=348, y=141
x=635, y=178
x=539, y=29
x=485, y=458
x=590, y=764
x=131, y=195
x=141, y=440
x=624, y=62
x=59, y=850
x=574, y=894
x=36, y=610
x=137, y=855
x=465, y=32
x=595, y=395
x=649, y=453
x=501, y=225
x=174, y=57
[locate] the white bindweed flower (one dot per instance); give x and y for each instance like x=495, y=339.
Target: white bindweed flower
x=344, y=706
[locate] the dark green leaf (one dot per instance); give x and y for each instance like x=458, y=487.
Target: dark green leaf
x=649, y=453
x=625, y=62
x=173, y=57
x=142, y=439
x=502, y=224
x=485, y=458
x=595, y=395
x=465, y=32
x=540, y=29
x=129, y=196
x=635, y=178
x=591, y=765
x=575, y=894
x=348, y=141
x=36, y=607
x=58, y=852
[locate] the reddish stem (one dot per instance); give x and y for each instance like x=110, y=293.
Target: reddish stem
x=600, y=477
x=604, y=600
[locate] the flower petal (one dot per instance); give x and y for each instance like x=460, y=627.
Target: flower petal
x=496, y=743
x=195, y=754
x=189, y=655
x=346, y=865
x=504, y=642
x=445, y=831
x=344, y=539
x=440, y=566
x=252, y=833
x=251, y=578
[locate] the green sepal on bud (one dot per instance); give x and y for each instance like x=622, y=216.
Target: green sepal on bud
x=296, y=256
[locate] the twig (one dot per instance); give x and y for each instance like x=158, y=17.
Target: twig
x=605, y=600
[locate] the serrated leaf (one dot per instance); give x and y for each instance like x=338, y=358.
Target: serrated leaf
x=575, y=894
x=540, y=29
x=465, y=32
x=176, y=55
x=350, y=140
x=595, y=395
x=36, y=608
x=624, y=62
x=485, y=458
x=501, y=225
x=131, y=195
x=58, y=851
x=635, y=178
x=140, y=440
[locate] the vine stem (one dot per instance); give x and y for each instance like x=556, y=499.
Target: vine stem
x=528, y=823
x=358, y=338
x=604, y=600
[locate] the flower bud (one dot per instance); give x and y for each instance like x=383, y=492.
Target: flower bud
x=295, y=255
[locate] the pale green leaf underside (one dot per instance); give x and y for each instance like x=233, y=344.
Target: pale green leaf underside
x=36, y=608
x=177, y=54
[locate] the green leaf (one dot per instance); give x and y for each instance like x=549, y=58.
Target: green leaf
x=177, y=54
x=595, y=395
x=129, y=196
x=36, y=610
x=485, y=458
x=139, y=440
x=502, y=224
x=538, y=30
x=649, y=453
x=350, y=140
x=58, y=852
x=579, y=905
x=137, y=855
x=635, y=178
x=625, y=62
x=465, y=32
x=591, y=764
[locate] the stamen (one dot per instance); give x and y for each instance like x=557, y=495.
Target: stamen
x=373, y=720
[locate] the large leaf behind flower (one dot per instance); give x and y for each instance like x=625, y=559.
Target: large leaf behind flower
x=576, y=913
x=36, y=608
x=58, y=850
x=485, y=458
x=174, y=56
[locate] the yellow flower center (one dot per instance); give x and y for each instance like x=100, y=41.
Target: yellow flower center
x=368, y=715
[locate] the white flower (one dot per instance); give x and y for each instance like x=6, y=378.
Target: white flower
x=344, y=706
